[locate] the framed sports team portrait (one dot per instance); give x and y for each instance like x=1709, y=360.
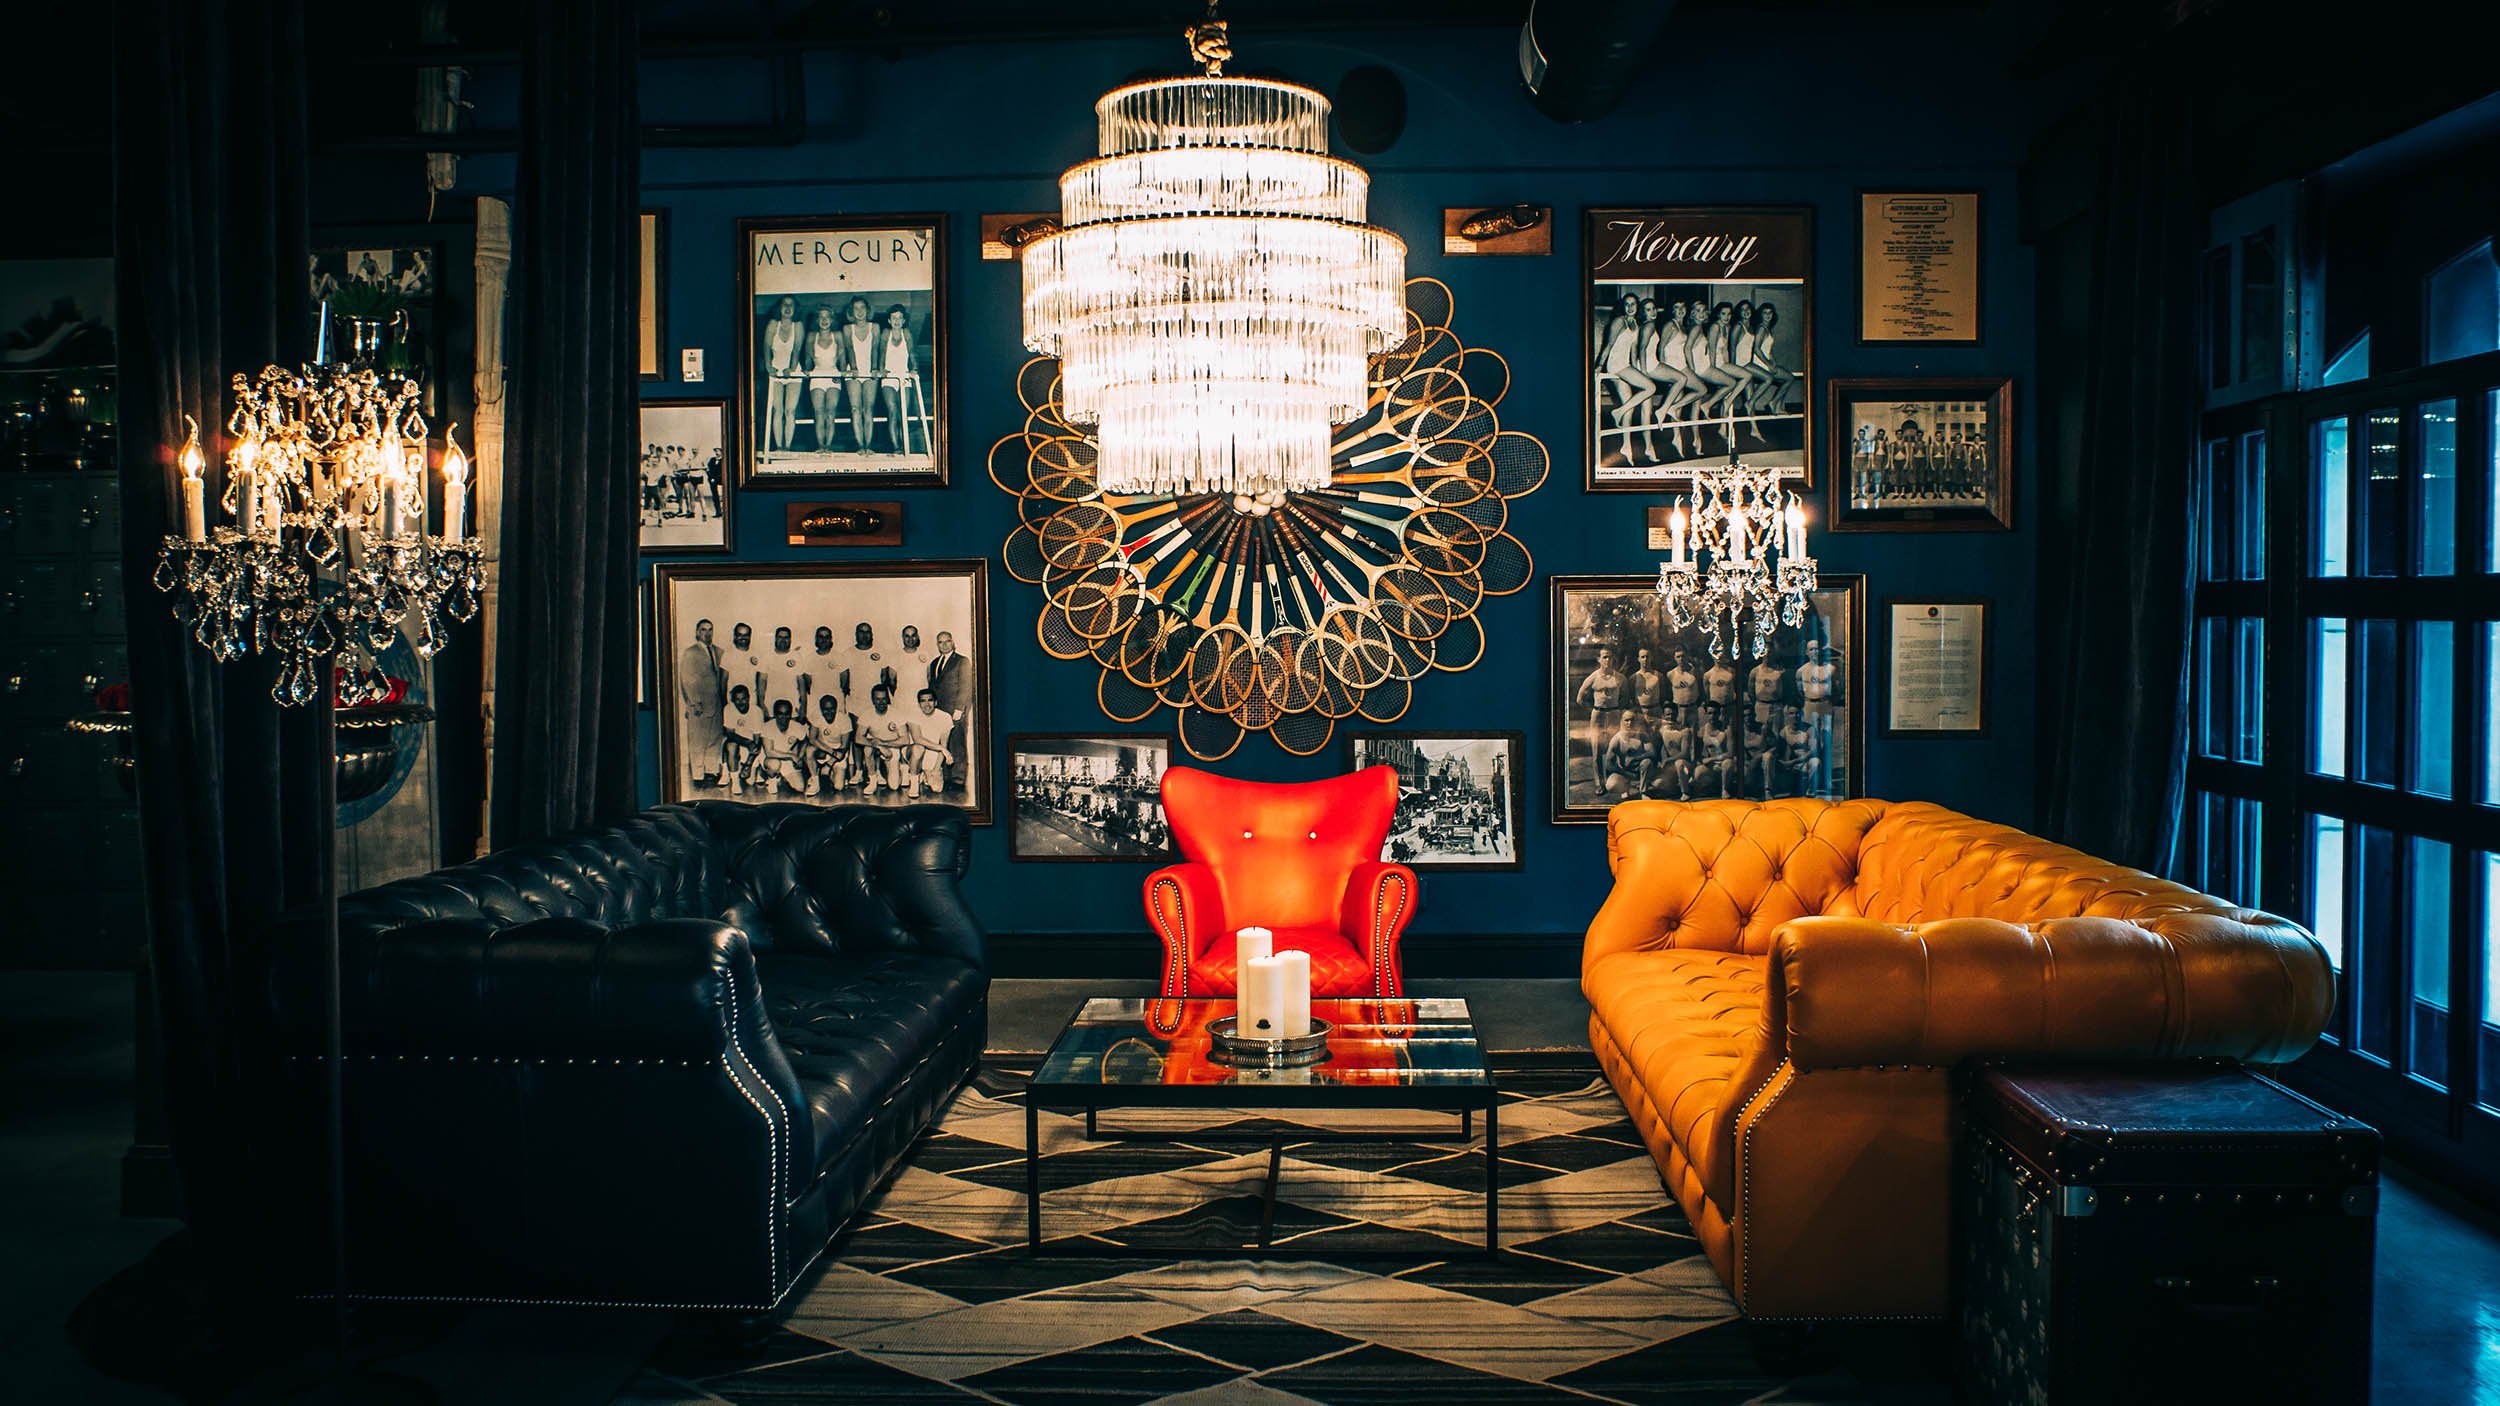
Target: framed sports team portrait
x=1700, y=343
x=1936, y=666
x=651, y=303
x=842, y=372
x=1922, y=455
x=1640, y=708
x=1089, y=798
x=828, y=683
x=682, y=494
x=1461, y=796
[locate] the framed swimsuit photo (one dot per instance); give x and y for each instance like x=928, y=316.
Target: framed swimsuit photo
x=1922, y=455
x=842, y=373
x=825, y=682
x=1699, y=328
x=1640, y=709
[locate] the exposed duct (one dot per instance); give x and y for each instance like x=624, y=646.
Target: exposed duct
x=1578, y=57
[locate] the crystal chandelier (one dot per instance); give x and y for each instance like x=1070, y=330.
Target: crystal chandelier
x=1753, y=533
x=1214, y=293
x=318, y=549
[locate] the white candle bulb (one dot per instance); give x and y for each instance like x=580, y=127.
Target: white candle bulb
x=1796, y=529
x=455, y=489
x=1736, y=536
x=194, y=503
x=1675, y=521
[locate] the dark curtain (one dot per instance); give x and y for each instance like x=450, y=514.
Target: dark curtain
x=210, y=243
x=564, y=687
x=2115, y=601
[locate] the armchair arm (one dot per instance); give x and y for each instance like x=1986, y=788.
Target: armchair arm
x=1186, y=906
x=1849, y=992
x=1379, y=899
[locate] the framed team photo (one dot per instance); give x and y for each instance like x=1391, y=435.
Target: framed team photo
x=1640, y=708
x=842, y=377
x=1922, y=455
x=1700, y=342
x=1085, y=798
x=683, y=496
x=1461, y=796
x=829, y=683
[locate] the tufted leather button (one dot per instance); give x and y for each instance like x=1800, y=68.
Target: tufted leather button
x=1245, y=834
x=1315, y=834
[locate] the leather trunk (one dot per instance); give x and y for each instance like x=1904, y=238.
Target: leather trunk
x=2161, y=1234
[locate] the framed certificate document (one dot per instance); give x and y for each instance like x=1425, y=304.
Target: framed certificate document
x=1937, y=667
x=1918, y=267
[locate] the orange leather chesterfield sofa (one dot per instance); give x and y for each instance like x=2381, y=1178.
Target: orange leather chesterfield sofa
x=1779, y=991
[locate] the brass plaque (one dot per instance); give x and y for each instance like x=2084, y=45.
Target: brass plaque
x=1003, y=235
x=846, y=525
x=1498, y=229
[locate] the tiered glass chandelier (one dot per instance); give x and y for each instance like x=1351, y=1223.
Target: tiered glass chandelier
x=318, y=549
x=1737, y=560
x=1214, y=292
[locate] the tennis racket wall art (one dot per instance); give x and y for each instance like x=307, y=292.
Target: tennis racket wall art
x=1287, y=615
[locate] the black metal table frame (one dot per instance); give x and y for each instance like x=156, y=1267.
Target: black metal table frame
x=1465, y=1102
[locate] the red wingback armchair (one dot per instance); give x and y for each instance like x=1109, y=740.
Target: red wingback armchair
x=1302, y=861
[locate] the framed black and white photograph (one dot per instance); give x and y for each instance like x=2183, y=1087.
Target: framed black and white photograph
x=1922, y=455
x=842, y=377
x=651, y=304
x=825, y=682
x=1641, y=708
x=1936, y=666
x=1461, y=796
x=387, y=294
x=1093, y=797
x=685, y=500
x=1700, y=343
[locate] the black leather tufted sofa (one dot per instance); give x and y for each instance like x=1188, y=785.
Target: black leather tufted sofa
x=659, y=1064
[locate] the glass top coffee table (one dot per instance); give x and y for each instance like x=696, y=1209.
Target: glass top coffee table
x=1408, y=1056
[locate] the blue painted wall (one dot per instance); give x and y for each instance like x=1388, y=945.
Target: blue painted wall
x=1799, y=109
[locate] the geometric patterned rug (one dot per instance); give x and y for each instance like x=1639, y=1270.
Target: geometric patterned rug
x=1375, y=1289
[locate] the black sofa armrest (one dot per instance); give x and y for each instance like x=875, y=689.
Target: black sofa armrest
x=850, y=878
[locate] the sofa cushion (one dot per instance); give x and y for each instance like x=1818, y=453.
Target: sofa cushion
x=853, y=1027
x=1688, y=1021
x=1338, y=967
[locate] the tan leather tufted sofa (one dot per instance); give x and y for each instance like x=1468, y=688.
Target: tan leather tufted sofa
x=1780, y=989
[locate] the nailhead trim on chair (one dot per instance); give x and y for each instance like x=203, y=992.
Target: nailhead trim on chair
x=1176, y=950
x=1380, y=964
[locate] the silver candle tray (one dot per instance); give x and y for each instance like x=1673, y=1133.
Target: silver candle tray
x=1227, y=1045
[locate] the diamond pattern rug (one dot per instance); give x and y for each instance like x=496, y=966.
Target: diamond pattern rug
x=1376, y=1288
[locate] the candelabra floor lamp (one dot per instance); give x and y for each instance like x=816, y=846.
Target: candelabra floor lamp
x=317, y=554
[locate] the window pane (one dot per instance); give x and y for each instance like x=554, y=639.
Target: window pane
x=2261, y=308
x=2382, y=496
x=2350, y=364
x=2326, y=884
x=2328, y=692
x=2222, y=482
x=2382, y=716
x=2251, y=694
x=2227, y=848
x=2369, y=975
x=2434, y=706
x=2216, y=687
x=2491, y=486
x=2435, y=516
x=2253, y=506
x=2489, y=941
x=2461, y=305
x=2427, y=929
x=2330, y=494
x=2491, y=714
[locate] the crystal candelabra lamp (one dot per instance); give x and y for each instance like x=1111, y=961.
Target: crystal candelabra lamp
x=317, y=549
x=1214, y=293
x=1737, y=559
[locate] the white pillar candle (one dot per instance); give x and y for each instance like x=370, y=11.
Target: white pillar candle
x=1296, y=1016
x=1263, y=998
x=1675, y=520
x=1251, y=943
x=194, y=511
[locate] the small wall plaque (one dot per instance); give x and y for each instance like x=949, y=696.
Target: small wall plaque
x=846, y=525
x=1003, y=235
x=1498, y=229
x=1661, y=529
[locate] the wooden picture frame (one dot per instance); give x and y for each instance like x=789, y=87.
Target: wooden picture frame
x=1730, y=257
x=821, y=266
x=684, y=503
x=852, y=628
x=651, y=336
x=1732, y=729
x=1426, y=826
x=1983, y=649
x=1094, y=819
x=1877, y=487
x=1948, y=227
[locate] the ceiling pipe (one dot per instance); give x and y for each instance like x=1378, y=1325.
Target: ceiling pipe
x=1579, y=57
